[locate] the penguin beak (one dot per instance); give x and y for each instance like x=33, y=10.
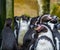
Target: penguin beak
x=38, y=27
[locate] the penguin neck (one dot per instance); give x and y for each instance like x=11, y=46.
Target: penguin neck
x=51, y=25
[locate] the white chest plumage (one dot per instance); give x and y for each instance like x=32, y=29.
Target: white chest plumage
x=48, y=34
x=44, y=44
x=23, y=29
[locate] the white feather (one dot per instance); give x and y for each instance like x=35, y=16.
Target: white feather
x=48, y=33
x=23, y=29
x=44, y=45
x=59, y=31
x=30, y=47
x=17, y=22
x=51, y=25
x=15, y=33
x=57, y=42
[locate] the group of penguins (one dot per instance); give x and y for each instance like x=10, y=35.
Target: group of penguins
x=37, y=33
